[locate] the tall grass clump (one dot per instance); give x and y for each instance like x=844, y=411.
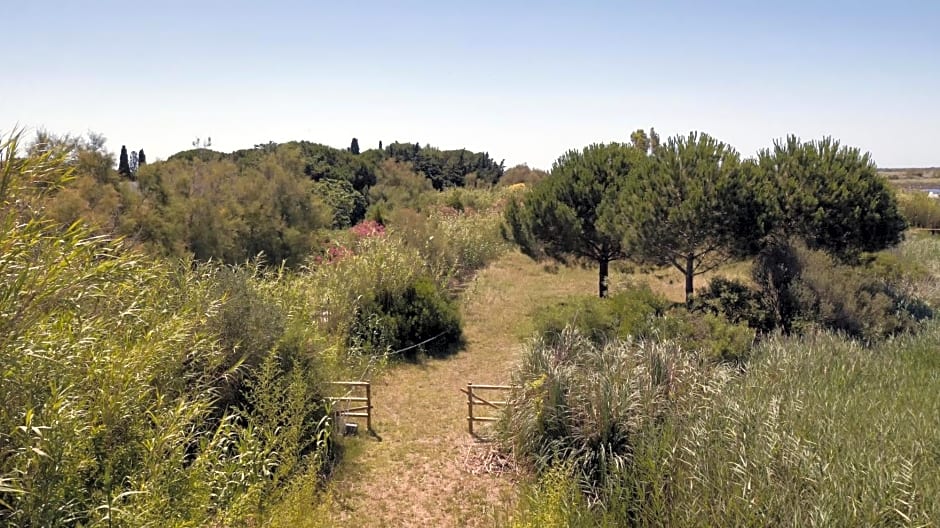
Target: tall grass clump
x=919, y=209
x=584, y=404
x=820, y=431
x=113, y=373
x=915, y=267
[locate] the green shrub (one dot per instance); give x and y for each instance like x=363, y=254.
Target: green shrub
x=348, y=204
x=591, y=316
x=919, y=267
x=710, y=335
x=248, y=324
x=629, y=312
x=806, y=288
x=111, y=378
x=855, y=300
x=418, y=319
x=452, y=245
x=736, y=302
x=639, y=313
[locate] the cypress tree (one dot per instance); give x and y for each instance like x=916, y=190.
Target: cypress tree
x=380, y=144
x=354, y=146
x=124, y=167
x=141, y=158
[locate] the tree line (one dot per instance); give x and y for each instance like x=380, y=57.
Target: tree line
x=692, y=203
x=279, y=199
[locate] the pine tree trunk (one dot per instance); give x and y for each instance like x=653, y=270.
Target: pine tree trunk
x=689, y=273
x=602, y=278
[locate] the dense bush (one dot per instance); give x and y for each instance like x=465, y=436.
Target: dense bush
x=854, y=300
x=913, y=268
x=638, y=313
x=448, y=168
x=397, y=186
x=735, y=301
x=420, y=319
x=712, y=336
x=452, y=244
x=805, y=287
x=630, y=312
x=522, y=174
x=112, y=369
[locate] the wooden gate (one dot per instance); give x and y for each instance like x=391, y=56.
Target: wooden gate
x=474, y=399
x=354, y=406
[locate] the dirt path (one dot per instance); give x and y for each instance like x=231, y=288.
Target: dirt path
x=417, y=474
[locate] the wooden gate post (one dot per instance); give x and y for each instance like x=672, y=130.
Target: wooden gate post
x=369, y=407
x=365, y=404
x=470, y=407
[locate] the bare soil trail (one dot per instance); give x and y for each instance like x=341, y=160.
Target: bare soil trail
x=418, y=474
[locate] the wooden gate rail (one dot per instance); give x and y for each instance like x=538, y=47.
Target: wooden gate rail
x=362, y=411
x=475, y=399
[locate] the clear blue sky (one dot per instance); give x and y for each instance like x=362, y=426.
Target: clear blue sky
x=524, y=81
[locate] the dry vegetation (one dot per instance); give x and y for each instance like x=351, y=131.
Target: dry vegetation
x=418, y=474
x=923, y=178
x=425, y=469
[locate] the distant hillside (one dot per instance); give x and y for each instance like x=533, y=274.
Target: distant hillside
x=444, y=168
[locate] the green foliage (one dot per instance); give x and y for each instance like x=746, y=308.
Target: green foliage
x=713, y=337
x=249, y=324
x=453, y=244
x=448, y=168
x=336, y=291
x=680, y=209
x=819, y=432
x=735, y=301
x=213, y=210
x=561, y=216
x=831, y=196
x=111, y=379
x=629, y=313
x=912, y=268
x=854, y=300
x=420, y=319
x=554, y=500
x=805, y=287
x=349, y=206
x=582, y=406
x=202, y=154
x=397, y=185
x=638, y=313
x=919, y=209
x=124, y=168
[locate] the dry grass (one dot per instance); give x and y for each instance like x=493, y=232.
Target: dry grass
x=417, y=474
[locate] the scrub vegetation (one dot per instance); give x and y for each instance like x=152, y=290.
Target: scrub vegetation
x=696, y=337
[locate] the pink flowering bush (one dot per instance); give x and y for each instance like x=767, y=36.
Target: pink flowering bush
x=367, y=228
